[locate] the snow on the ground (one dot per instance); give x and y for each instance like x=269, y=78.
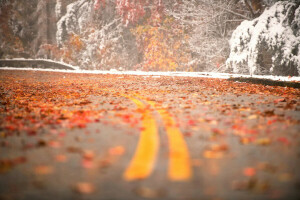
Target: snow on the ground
x=158, y=74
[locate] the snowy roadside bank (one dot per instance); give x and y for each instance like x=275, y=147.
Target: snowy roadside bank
x=235, y=77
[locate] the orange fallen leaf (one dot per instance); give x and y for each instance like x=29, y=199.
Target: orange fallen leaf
x=117, y=151
x=253, y=117
x=61, y=158
x=285, y=177
x=88, y=154
x=84, y=188
x=249, y=171
x=279, y=100
x=197, y=162
x=263, y=141
x=213, y=154
x=43, y=170
x=219, y=147
x=54, y=144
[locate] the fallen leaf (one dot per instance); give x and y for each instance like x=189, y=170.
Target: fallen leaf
x=117, y=151
x=88, y=154
x=279, y=100
x=213, y=154
x=84, y=188
x=54, y=144
x=146, y=192
x=249, y=171
x=284, y=141
x=285, y=177
x=43, y=170
x=61, y=158
x=219, y=147
x=263, y=141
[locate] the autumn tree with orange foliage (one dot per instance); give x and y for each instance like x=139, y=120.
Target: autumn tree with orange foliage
x=164, y=47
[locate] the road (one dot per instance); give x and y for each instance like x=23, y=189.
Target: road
x=89, y=136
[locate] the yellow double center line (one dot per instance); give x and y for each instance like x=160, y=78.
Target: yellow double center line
x=179, y=163
x=144, y=158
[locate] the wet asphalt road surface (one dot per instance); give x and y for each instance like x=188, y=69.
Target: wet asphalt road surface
x=87, y=136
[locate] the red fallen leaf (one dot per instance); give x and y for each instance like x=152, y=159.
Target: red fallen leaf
x=188, y=134
x=191, y=122
x=97, y=131
x=284, y=140
x=249, y=171
x=53, y=131
x=126, y=118
x=86, y=163
x=19, y=160
x=84, y=188
x=31, y=132
x=217, y=131
x=270, y=122
x=106, y=162
x=81, y=125
x=10, y=127
x=62, y=134
x=8, y=164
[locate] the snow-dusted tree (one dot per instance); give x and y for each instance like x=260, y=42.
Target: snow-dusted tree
x=269, y=44
x=209, y=24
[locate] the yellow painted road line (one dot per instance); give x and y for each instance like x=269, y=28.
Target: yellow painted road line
x=144, y=159
x=179, y=163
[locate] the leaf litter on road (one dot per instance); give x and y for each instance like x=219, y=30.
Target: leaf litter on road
x=223, y=122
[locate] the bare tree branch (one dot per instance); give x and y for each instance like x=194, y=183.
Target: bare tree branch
x=249, y=8
x=232, y=12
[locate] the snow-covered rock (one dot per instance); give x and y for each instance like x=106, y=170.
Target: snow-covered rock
x=269, y=44
x=106, y=42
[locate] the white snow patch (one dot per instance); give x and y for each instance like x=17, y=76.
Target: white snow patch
x=159, y=74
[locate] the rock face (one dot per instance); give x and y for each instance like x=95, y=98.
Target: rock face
x=269, y=44
x=25, y=26
x=79, y=34
x=106, y=43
